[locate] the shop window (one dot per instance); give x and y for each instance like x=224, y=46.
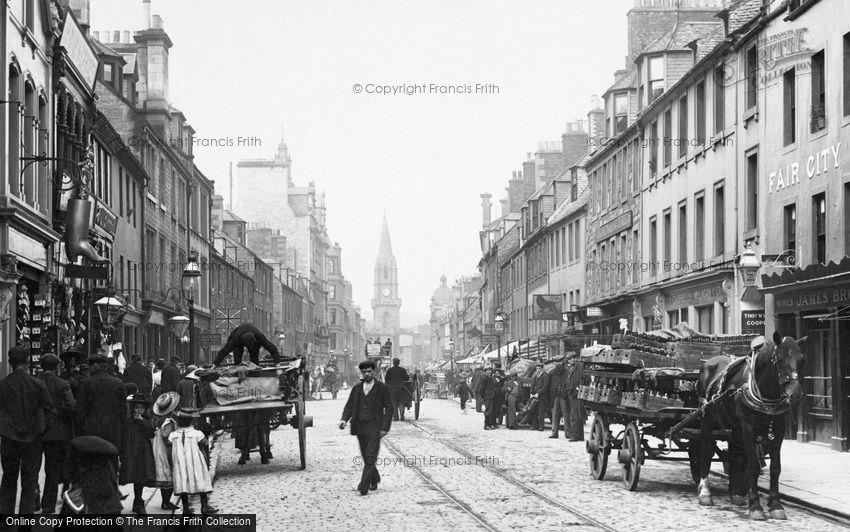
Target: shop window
x=789, y=106
x=790, y=228
x=818, y=92
x=819, y=227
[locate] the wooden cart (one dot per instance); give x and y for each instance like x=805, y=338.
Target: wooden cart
x=287, y=408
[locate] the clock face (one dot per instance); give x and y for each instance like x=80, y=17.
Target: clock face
x=386, y=292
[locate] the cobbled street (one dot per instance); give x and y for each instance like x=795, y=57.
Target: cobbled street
x=445, y=472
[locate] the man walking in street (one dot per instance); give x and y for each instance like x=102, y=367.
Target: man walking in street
x=395, y=378
x=139, y=374
x=170, y=376
x=487, y=392
x=558, y=386
x=101, y=405
x=55, y=440
x=499, y=398
x=540, y=391
x=477, y=375
x=575, y=428
x=26, y=412
x=369, y=409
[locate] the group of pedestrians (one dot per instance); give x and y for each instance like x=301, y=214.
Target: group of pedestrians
x=552, y=394
x=98, y=429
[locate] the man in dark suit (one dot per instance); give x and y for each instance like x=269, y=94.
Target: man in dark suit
x=71, y=360
x=540, y=390
x=395, y=378
x=369, y=408
x=477, y=375
x=170, y=377
x=139, y=374
x=246, y=336
x=26, y=412
x=487, y=391
x=101, y=405
x=55, y=440
x=575, y=426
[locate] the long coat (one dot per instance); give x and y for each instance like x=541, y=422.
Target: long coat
x=137, y=460
x=486, y=388
x=170, y=379
x=139, y=374
x=60, y=393
x=378, y=399
x=101, y=407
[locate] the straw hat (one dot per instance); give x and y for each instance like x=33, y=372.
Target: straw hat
x=166, y=403
x=188, y=412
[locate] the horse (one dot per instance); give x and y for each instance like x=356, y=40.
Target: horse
x=762, y=389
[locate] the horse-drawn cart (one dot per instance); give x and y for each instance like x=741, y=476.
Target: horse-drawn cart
x=647, y=385
x=268, y=397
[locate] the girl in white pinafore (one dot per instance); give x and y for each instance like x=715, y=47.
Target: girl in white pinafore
x=190, y=473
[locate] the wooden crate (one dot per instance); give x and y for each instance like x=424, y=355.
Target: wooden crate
x=642, y=359
x=689, y=361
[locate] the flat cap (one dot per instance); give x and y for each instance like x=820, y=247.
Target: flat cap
x=366, y=364
x=99, y=358
x=93, y=445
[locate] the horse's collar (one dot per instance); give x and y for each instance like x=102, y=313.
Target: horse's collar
x=752, y=398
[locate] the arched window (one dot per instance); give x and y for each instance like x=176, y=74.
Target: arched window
x=386, y=321
x=14, y=130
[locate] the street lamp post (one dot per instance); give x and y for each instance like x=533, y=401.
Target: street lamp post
x=500, y=319
x=452, y=354
x=191, y=285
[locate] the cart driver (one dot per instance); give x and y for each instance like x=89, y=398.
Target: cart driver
x=246, y=336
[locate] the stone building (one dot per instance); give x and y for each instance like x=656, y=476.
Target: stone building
x=176, y=209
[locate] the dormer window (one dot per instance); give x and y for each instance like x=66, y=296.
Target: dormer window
x=621, y=113
x=107, y=74
x=656, y=77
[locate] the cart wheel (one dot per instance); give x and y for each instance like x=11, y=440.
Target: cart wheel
x=416, y=408
x=302, y=424
x=693, y=456
x=631, y=456
x=598, y=448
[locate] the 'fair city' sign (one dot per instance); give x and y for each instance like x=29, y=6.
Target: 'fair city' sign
x=817, y=164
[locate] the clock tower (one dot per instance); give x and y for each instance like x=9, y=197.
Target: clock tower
x=386, y=305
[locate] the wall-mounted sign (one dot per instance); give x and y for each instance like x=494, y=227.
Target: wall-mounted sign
x=95, y=271
x=617, y=225
x=105, y=219
x=27, y=248
x=818, y=163
x=694, y=296
x=80, y=52
x=752, y=322
x=812, y=299
x=594, y=312
x=546, y=307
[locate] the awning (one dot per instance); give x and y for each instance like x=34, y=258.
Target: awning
x=518, y=345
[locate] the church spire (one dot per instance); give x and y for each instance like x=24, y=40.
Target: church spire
x=386, y=247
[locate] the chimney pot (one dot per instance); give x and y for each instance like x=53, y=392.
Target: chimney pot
x=95, y=35
x=125, y=36
x=146, y=14
x=156, y=22
x=116, y=36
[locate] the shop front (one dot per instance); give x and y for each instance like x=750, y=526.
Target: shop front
x=815, y=303
x=706, y=305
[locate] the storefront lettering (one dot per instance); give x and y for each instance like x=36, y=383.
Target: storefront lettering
x=817, y=164
x=695, y=296
x=810, y=299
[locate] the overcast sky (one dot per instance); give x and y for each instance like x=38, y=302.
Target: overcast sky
x=249, y=68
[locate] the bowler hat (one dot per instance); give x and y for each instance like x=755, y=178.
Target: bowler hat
x=166, y=403
x=72, y=353
x=93, y=445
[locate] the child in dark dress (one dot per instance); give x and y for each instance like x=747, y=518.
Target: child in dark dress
x=137, y=461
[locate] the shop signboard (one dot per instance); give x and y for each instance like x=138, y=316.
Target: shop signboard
x=752, y=322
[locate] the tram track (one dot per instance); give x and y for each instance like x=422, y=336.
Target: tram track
x=483, y=520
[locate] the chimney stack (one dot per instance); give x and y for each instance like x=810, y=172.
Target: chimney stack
x=486, y=209
x=146, y=14
x=505, y=204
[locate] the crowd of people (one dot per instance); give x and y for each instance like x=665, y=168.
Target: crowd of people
x=525, y=401
x=96, y=428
